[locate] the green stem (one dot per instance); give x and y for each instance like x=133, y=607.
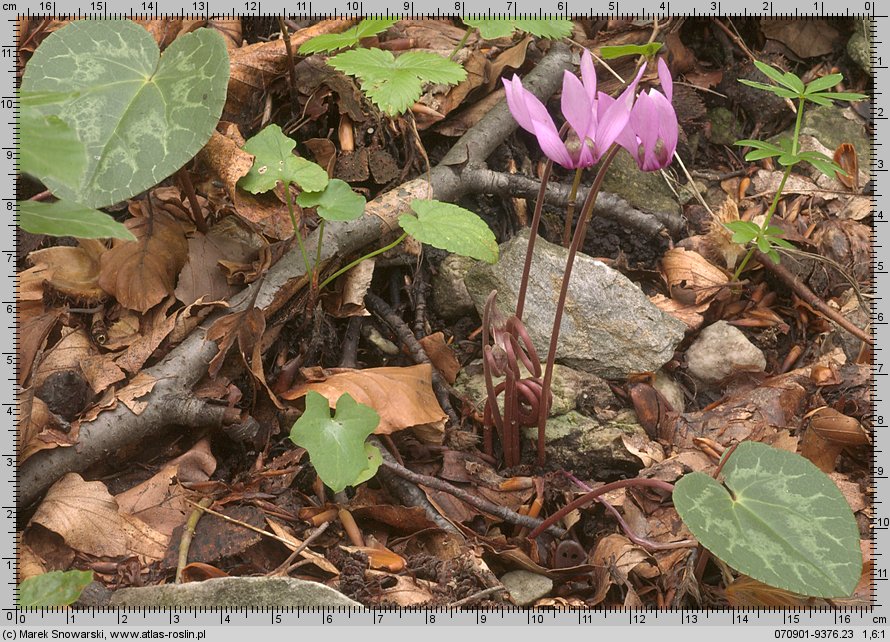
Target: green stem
x=769, y=216
x=462, y=42
x=318, y=249
x=570, y=209
x=349, y=266
x=796, y=140
x=293, y=220
x=577, y=239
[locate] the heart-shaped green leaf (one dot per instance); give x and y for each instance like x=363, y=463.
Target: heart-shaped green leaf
x=450, y=227
x=49, y=148
x=57, y=588
x=776, y=518
x=64, y=218
x=274, y=161
x=140, y=115
x=336, y=445
x=336, y=203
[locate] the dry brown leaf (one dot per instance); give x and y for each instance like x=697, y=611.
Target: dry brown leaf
x=746, y=592
x=71, y=273
x=32, y=340
x=163, y=30
x=619, y=555
x=155, y=327
x=101, y=371
x=254, y=68
x=719, y=238
x=401, y=590
x=690, y=276
x=85, y=515
x=66, y=355
x=441, y=355
x=124, y=331
x=381, y=559
x=30, y=564
x=352, y=286
x=39, y=429
x=845, y=157
x=806, y=38
x=691, y=315
x=141, y=385
x=140, y=273
x=201, y=275
x=225, y=157
x=143, y=540
x=29, y=294
x=403, y=397
x=230, y=28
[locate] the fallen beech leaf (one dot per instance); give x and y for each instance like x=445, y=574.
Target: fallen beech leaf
x=404, y=592
x=140, y=273
x=806, y=38
x=66, y=355
x=845, y=156
x=403, y=397
x=101, y=371
x=85, y=515
x=688, y=314
x=141, y=385
x=32, y=340
x=441, y=355
x=156, y=325
x=352, y=289
x=201, y=276
x=692, y=275
x=72, y=273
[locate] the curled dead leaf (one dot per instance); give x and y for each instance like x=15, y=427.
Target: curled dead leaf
x=690, y=276
x=71, y=273
x=140, y=273
x=838, y=427
x=845, y=156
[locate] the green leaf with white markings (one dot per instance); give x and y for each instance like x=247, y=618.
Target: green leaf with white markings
x=777, y=518
x=394, y=84
x=336, y=446
x=336, y=203
x=450, y=227
x=332, y=41
x=58, y=588
x=141, y=115
x=64, y=218
x=50, y=149
x=274, y=161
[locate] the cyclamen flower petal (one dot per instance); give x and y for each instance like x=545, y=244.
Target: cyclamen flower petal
x=532, y=116
x=652, y=130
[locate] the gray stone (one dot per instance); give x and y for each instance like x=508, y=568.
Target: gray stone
x=859, y=45
x=588, y=448
x=829, y=126
x=570, y=388
x=234, y=592
x=721, y=350
x=609, y=327
x=526, y=587
x=670, y=390
x=646, y=191
x=450, y=297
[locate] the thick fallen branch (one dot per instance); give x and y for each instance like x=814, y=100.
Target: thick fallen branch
x=171, y=403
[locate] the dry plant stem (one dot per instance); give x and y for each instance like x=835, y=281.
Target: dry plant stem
x=592, y=495
x=285, y=567
x=197, y=215
x=382, y=309
x=810, y=298
x=187, y=534
x=577, y=239
x=478, y=595
x=532, y=237
x=291, y=64
x=484, y=505
x=171, y=402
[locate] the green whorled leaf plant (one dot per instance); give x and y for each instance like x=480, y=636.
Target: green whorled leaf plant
x=787, y=153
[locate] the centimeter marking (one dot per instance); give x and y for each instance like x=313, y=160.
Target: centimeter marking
x=874, y=616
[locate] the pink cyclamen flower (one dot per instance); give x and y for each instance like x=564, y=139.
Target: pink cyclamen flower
x=651, y=132
x=596, y=119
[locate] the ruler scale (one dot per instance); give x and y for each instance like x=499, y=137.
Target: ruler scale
x=869, y=623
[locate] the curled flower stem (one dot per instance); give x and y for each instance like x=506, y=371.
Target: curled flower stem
x=592, y=495
x=580, y=232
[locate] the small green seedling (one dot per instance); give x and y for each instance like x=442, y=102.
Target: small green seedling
x=787, y=153
x=336, y=445
x=441, y=225
x=777, y=518
x=58, y=588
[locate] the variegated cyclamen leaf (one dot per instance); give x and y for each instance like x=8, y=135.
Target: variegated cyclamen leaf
x=141, y=115
x=776, y=518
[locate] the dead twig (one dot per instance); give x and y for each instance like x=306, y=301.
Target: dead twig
x=188, y=532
